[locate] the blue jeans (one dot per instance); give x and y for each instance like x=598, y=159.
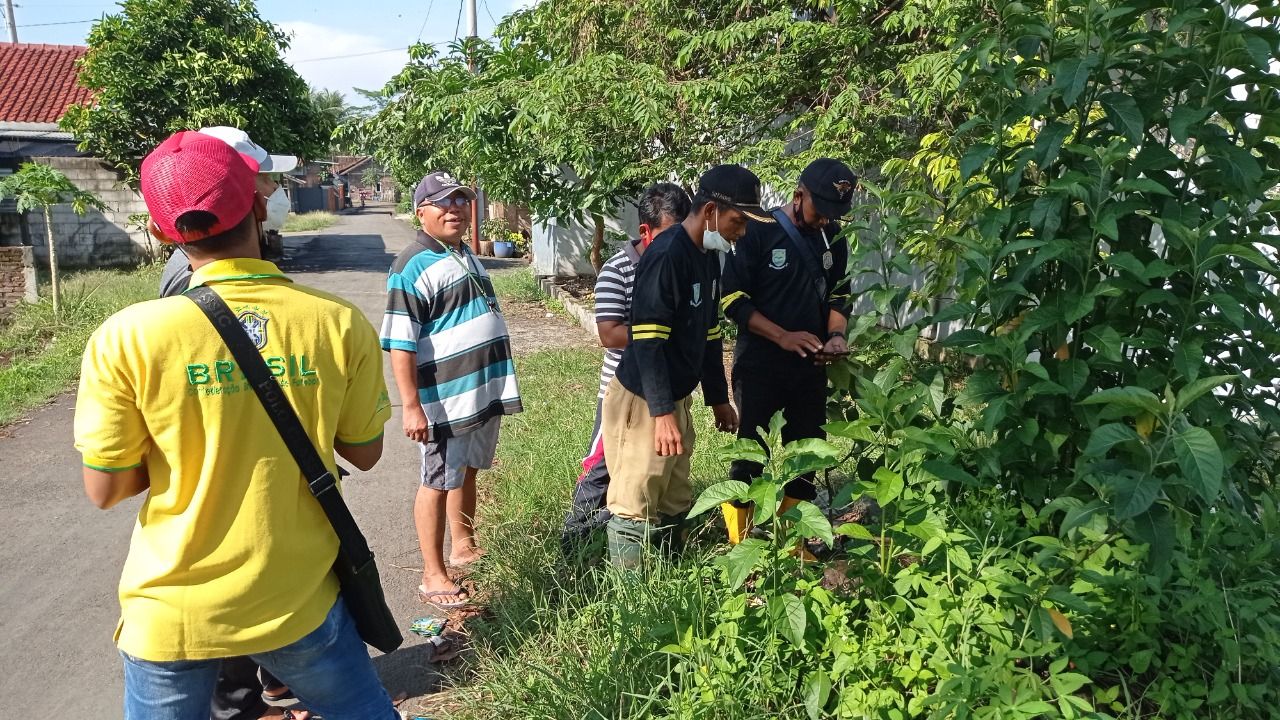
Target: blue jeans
x=329, y=670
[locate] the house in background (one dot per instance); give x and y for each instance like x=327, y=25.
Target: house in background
x=37, y=85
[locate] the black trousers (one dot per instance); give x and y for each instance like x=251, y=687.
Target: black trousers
x=800, y=393
x=588, y=513
x=238, y=694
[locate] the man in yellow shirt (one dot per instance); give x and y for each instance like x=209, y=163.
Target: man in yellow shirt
x=231, y=554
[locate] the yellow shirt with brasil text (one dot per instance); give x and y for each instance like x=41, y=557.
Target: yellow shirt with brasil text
x=231, y=555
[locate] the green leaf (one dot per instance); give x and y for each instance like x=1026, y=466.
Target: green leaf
x=817, y=691
x=1127, y=397
x=951, y=312
x=1108, y=436
x=859, y=430
x=1134, y=494
x=905, y=342
x=1071, y=75
x=1079, y=516
x=809, y=521
x=975, y=158
x=1124, y=115
x=1106, y=341
x=1200, y=460
x=855, y=531
x=741, y=560
x=1183, y=117
x=1068, y=683
x=889, y=485
x=1244, y=252
x=1049, y=142
x=949, y=472
x=964, y=338
x=789, y=617
x=742, y=449
x=1146, y=185
x=1192, y=391
x=720, y=492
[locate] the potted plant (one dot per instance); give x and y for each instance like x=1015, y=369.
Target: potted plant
x=492, y=231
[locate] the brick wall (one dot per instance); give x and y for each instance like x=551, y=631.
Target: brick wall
x=95, y=239
x=17, y=278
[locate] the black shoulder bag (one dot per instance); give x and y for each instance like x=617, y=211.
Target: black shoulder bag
x=357, y=574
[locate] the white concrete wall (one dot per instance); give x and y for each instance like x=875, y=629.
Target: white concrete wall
x=562, y=249
x=96, y=239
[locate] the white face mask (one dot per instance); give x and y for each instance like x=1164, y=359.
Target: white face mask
x=277, y=210
x=713, y=240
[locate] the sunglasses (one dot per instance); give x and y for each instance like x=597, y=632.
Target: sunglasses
x=453, y=201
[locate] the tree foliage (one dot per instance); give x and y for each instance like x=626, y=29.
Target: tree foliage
x=159, y=66
x=576, y=105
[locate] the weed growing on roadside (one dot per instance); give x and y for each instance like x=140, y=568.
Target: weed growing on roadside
x=42, y=351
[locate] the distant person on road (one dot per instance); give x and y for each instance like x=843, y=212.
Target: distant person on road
x=177, y=271
x=674, y=345
x=231, y=555
x=662, y=206
x=786, y=286
x=451, y=357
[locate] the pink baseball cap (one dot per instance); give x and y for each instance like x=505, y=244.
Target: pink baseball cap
x=191, y=171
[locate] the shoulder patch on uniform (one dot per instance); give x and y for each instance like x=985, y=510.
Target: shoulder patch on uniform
x=778, y=260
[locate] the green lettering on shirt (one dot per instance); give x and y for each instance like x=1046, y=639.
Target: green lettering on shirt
x=306, y=371
x=197, y=374
x=276, y=366
x=223, y=370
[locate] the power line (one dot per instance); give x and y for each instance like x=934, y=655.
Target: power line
x=458, y=25
x=489, y=12
x=425, y=19
x=67, y=22
x=353, y=55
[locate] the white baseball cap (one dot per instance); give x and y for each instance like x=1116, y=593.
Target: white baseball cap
x=239, y=140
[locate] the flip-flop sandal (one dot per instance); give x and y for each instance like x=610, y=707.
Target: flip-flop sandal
x=425, y=596
x=286, y=695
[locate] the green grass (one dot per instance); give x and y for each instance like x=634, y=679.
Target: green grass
x=42, y=352
x=309, y=222
x=519, y=285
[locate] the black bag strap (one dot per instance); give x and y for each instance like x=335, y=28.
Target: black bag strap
x=807, y=255
x=351, y=542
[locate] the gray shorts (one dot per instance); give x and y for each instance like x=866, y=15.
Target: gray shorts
x=443, y=461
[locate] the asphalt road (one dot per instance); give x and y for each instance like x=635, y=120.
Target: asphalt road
x=61, y=557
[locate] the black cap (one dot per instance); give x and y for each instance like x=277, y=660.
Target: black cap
x=735, y=186
x=830, y=184
x=437, y=185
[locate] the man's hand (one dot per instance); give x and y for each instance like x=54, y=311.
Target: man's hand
x=666, y=436
x=801, y=343
x=726, y=417
x=416, y=427
x=836, y=348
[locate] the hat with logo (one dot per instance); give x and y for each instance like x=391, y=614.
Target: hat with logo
x=239, y=139
x=735, y=186
x=191, y=171
x=831, y=184
x=438, y=185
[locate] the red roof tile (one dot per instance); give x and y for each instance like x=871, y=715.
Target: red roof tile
x=38, y=82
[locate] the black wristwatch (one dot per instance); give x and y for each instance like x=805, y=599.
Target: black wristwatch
x=836, y=334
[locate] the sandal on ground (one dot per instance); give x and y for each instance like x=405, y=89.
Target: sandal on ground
x=281, y=693
x=427, y=596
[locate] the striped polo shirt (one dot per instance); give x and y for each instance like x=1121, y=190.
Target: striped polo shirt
x=614, y=285
x=442, y=306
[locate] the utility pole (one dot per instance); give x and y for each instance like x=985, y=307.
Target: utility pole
x=471, y=65
x=13, y=24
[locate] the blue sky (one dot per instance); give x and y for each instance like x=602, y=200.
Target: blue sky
x=325, y=34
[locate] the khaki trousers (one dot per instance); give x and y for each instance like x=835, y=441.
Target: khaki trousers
x=644, y=486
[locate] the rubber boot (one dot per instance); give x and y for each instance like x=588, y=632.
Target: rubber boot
x=628, y=540
x=671, y=535
x=800, y=550
x=737, y=520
